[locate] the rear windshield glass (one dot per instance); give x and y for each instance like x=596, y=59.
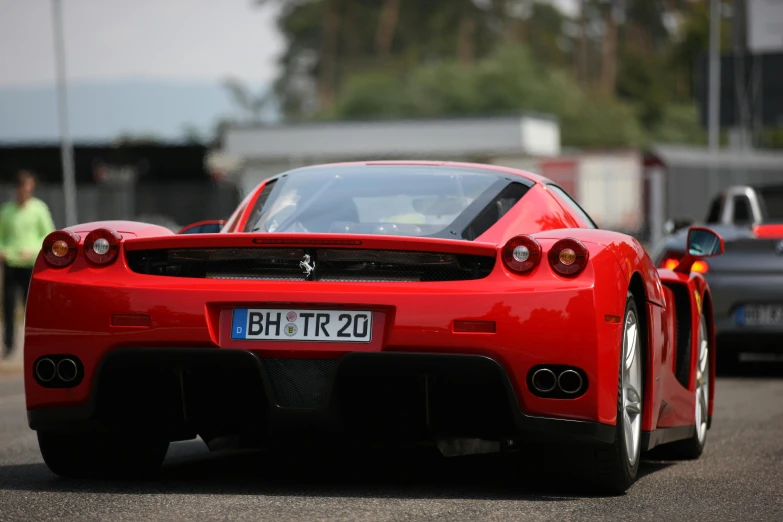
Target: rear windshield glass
x=387, y=200
x=772, y=203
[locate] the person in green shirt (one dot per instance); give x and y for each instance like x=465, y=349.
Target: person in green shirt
x=24, y=223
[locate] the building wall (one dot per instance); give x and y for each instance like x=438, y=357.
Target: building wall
x=609, y=188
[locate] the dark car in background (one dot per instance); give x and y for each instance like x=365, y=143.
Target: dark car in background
x=747, y=281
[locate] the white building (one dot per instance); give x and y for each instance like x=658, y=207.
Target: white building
x=514, y=141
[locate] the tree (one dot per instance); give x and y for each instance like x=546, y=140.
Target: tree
x=617, y=75
x=387, y=26
x=507, y=81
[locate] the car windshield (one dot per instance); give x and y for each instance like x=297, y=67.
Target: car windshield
x=772, y=201
x=388, y=200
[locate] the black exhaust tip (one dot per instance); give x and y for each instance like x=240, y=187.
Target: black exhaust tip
x=544, y=380
x=58, y=371
x=67, y=370
x=570, y=382
x=45, y=370
x=557, y=381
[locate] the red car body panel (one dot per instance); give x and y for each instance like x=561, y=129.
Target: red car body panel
x=540, y=317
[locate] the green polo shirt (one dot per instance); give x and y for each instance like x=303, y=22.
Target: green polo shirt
x=22, y=230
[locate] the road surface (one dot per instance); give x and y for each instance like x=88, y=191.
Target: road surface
x=739, y=477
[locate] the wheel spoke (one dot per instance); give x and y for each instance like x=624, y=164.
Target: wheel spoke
x=633, y=401
x=703, y=356
x=631, y=344
x=631, y=376
x=629, y=436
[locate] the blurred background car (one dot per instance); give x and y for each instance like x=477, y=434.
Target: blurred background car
x=747, y=282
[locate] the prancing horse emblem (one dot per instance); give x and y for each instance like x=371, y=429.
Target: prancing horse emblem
x=306, y=266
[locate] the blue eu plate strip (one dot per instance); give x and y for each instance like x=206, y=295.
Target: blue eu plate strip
x=741, y=315
x=239, y=324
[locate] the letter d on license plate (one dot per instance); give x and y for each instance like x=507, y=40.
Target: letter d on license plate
x=336, y=326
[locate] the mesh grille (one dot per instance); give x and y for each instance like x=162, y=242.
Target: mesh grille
x=300, y=383
x=281, y=264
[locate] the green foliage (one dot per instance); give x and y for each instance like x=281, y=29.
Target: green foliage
x=506, y=82
x=644, y=81
x=480, y=57
x=372, y=94
x=679, y=124
x=601, y=122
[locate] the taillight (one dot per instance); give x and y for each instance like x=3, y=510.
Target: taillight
x=700, y=266
x=521, y=254
x=568, y=257
x=60, y=248
x=672, y=259
x=670, y=263
x=102, y=245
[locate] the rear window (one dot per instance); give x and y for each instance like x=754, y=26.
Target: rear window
x=771, y=199
x=386, y=200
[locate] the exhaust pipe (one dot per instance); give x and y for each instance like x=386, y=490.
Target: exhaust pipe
x=45, y=370
x=544, y=380
x=569, y=382
x=67, y=370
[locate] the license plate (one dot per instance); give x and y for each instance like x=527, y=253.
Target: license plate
x=760, y=315
x=336, y=326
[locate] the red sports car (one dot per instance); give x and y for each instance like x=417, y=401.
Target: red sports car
x=392, y=302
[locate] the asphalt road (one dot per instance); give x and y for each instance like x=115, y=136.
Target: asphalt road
x=739, y=477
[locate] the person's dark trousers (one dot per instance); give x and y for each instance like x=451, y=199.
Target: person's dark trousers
x=14, y=279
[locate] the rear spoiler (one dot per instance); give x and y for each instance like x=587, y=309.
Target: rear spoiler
x=354, y=241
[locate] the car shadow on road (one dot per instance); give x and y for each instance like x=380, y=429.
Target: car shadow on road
x=753, y=369
x=413, y=474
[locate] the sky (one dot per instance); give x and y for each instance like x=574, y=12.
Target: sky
x=183, y=40
x=129, y=63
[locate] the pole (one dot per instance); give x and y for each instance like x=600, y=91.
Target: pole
x=713, y=121
x=66, y=147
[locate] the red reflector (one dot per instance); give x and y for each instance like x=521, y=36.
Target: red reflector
x=474, y=326
x=130, y=320
x=327, y=242
x=612, y=318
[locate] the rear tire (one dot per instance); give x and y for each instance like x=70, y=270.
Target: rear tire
x=617, y=465
x=101, y=455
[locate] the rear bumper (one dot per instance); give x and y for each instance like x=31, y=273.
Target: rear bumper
x=729, y=292
x=227, y=393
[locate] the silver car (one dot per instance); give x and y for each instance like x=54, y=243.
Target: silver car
x=747, y=281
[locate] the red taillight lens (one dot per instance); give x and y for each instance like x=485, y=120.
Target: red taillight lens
x=700, y=266
x=60, y=248
x=102, y=245
x=670, y=260
x=521, y=254
x=670, y=263
x=568, y=257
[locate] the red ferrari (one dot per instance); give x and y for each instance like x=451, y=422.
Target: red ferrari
x=392, y=302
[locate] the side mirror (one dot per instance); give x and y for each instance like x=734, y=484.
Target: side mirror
x=203, y=227
x=702, y=242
